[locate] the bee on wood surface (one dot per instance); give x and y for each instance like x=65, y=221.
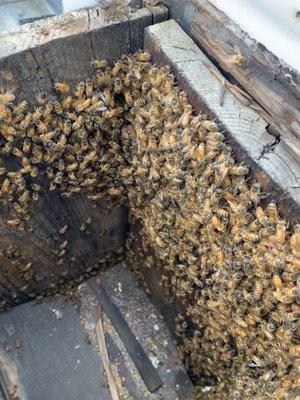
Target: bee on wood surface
x=41, y=98
x=61, y=87
x=99, y=64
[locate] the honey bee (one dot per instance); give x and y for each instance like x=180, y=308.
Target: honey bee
x=34, y=172
x=250, y=236
x=37, y=114
x=67, y=102
x=57, y=106
x=143, y=56
x=209, y=125
x=272, y=212
x=218, y=224
x=239, y=59
x=254, y=226
x=8, y=132
x=257, y=290
x=277, y=282
x=238, y=170
x=48, y=110
x=118, y=85
x=36, y=187
x=41, y=98
x=80, y=89
x=7, y=97
x=5, y=185
x=185, y=118
x=19, y=209
x=5, y=114
x=295, y=350
x=113, y=112
x=295, y=242
x=37, y=153
x=17, y=152
x=279, y=237
x=104, y=79
x=116, y=68
x=107, y=97
x=261, y=216
x=62, y=253
x=286, y=297
x=61, y=87
x=78, y=123
x=114, y=191
x=128, y=97
x=99, y=64
x=13, y=222
x=127, y=80
x=21, y=108
x=237, y=208
x=25, y=122
x=89, y=87
x=63, y=245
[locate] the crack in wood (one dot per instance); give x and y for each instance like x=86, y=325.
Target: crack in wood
x=89, y=34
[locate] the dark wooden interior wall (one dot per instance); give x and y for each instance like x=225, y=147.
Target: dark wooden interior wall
x=61, y=50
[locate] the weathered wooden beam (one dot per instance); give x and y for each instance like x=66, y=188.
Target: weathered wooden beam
x=270, y=160
x=273, y=85
x=35, y=55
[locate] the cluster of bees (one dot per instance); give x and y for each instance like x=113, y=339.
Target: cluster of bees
x=128, y=133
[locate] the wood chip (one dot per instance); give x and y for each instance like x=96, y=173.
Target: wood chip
x=104, y=354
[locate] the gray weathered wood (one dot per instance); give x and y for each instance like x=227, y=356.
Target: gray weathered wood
x=137, y=27
x=160, y=13
x=59, y=359
x=271, y=83
x=35, y=55
x=31, y=58
x=116, y=32
x=271, y=162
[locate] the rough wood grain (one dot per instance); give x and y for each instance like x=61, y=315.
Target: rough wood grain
x=115, y=32
x=271, y=83
x=35, y=55
x=137, y=27
x=31, y=58
x=270, y=160
x=160, y=13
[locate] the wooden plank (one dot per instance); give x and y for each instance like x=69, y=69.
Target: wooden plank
x=32, y=58
x=246, y=129
x=137, y=27
x=54, y=360
x=35, y=55
x=41, y=32
x=271, y=83
x=84, y=251
x=31, y=71
x=103, y=32
x=160, y=13
x=147, y=371
x=58, y=354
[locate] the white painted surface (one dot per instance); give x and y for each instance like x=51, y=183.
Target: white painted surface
x=274, y=23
